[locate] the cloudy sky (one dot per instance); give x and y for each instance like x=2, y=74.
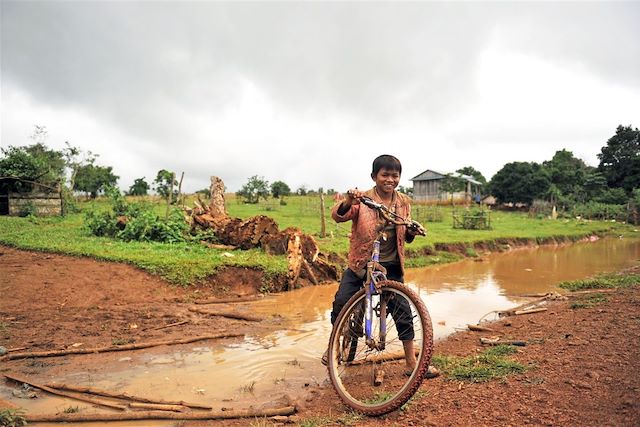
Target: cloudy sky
x=309, y=93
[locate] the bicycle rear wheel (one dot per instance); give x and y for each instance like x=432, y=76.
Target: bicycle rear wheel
x=373, y=378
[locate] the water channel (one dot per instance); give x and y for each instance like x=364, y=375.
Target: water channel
x=263, y=368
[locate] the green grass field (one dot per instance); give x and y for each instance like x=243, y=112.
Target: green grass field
x=187, y=263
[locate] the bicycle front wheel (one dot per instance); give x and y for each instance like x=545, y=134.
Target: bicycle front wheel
x=372, y=375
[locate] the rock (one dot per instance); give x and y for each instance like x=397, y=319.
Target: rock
x=3, y=351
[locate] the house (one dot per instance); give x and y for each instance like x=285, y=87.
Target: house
x=427, y=186
x=28, y=198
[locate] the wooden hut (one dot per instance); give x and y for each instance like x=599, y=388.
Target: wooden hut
x=427, y=187
x=28, y=198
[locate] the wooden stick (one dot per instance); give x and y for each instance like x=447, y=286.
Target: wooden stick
x=156, y=406
x=530, y=311
x=139, y=346
x=478, y=328
x=161, y=415
x=127, y=396
x=171, y=325
x=65, y=394
x=488, y=341
x=226, y=300
x=229, y=314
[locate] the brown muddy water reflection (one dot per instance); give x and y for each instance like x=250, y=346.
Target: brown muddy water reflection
x=264, y=368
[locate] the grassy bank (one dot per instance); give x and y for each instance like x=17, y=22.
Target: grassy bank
x=186, y=263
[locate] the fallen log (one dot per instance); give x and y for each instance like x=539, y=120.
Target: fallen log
x=126, y=396
x=161, y=415
x=228, y=314
x=54, y=353
x=492, y=341
x=226, y=300
x=81, y=398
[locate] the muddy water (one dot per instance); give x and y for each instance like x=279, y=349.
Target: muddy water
x=264, y=368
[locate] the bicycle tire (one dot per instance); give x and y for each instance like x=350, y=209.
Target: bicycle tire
x=352, y=375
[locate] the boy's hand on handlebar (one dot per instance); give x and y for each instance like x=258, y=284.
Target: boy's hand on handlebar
x=353, y=196
x=416, y=229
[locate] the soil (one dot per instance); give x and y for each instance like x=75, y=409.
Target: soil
x=583, y=364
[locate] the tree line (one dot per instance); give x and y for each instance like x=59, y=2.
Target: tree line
x=564, y=180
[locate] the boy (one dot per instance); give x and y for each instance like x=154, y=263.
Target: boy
x=386, y=172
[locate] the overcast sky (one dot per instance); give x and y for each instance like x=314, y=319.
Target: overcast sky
x=309, y=93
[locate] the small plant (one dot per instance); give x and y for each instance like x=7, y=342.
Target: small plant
x=316, y=422
x=470, y=252
x=350, y=418
x=293, y=362
x=249, y=387
x=589, y=301
x=121, y=341
x=28, y=209
x=12, y=418
x=261, y=422
x=491, y=364
x=71, y=410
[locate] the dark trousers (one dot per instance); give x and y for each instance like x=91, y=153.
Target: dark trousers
x=398, y=307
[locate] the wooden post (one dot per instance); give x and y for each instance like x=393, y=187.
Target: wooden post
x=170, y=196
x=323, y=224
x=180, y=188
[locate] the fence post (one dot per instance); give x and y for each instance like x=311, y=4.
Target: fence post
x=323, y=223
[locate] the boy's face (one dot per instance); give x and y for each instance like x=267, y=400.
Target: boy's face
x=386, y=180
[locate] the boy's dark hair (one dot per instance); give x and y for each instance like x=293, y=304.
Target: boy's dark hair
x=388, y=162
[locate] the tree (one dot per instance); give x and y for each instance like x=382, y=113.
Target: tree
x=302, y=190
x=567, y=174
x=475, y=174
x=620, y=159
x=452, y=184
x=255, y=188
x=140, y=187
x=520, y=182
x=93, y=179
x=34, y=163
x=164, y=182
x=279, y=188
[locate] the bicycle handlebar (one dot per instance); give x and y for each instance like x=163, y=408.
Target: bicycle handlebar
x=393, y=217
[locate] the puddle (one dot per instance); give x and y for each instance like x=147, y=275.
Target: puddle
x=264, y=368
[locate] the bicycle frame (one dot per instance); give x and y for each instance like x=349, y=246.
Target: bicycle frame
x=374, y=276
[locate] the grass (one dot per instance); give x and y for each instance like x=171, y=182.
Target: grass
x=491, y=364
x=71, y=410
x=589, y=301
x=605, y=281
x=12, y=418
x=187, y=263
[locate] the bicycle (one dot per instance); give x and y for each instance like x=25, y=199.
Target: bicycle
x=365, y=355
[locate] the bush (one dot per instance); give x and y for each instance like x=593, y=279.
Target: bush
x=600, y=211
x=136, y=221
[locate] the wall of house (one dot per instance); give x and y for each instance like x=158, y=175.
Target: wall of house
x=42, y=203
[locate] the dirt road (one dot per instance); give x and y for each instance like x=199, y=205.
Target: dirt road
x=583, y=367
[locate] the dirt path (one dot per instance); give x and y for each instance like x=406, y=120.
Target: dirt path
x=583, y=364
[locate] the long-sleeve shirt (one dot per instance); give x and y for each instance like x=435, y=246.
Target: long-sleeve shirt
x=364, y=229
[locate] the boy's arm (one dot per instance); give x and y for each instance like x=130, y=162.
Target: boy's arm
x=348, y=208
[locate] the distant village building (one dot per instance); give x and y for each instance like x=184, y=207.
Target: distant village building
x=37, y=199
x=427, y=187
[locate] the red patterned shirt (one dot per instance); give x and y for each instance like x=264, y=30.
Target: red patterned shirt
x=365, y=222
